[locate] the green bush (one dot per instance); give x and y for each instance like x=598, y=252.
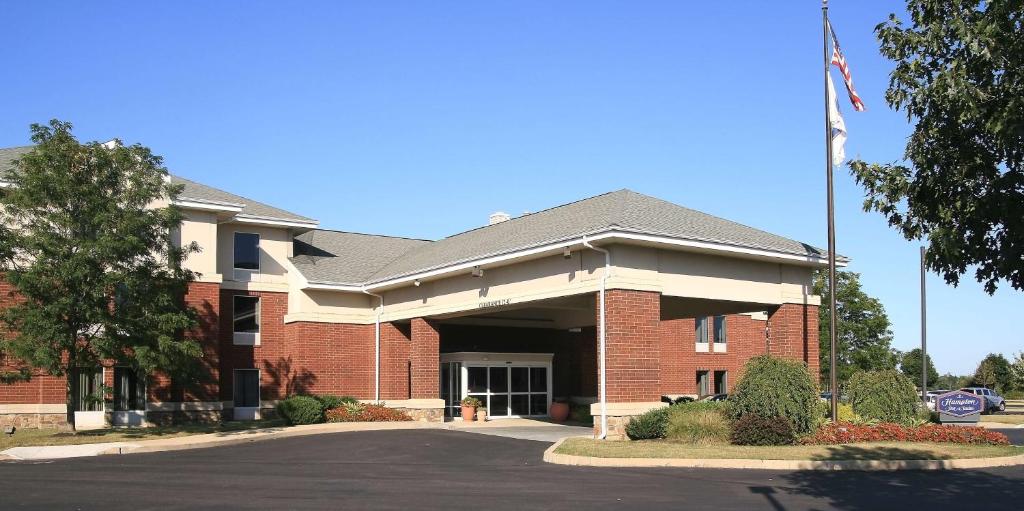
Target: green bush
x=329, y=401
x=753, y=429
x=581, y=413
x=702, y=425
x=301, y=410
x=777, y=387
x=649, y=425
x=884, y=396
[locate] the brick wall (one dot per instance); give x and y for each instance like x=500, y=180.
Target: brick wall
x=680, y=361
x=793, y=333
x=425, y=356
x=395, y=364
x=42, y=388
x=320, y=358
x=632, y=345
x=205, y=298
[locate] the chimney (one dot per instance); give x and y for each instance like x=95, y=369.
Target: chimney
x=498, y=217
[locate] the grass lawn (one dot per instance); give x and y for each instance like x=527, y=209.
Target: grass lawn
x=861, y=451
x=1003, y=419
x=30, y=437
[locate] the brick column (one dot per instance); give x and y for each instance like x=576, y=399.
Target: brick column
x=793, y=333
x=426, y=358
x=632, y=345
x=394, y=361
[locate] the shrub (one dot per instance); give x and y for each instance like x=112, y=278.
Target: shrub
x=366, y=413
x=777, y=387
x=648, y=425
x=301, y=410
x=753, y=429
x=580, y=413
x=697, y=424
x=884, y=396
x=847, y=433
x=329, y=401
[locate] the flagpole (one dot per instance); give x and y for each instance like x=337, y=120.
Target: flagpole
x=833, y=380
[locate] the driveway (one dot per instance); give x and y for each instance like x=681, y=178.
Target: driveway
x=431, y=469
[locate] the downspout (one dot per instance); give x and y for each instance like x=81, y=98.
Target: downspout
x=601, y=336
x=376, y=347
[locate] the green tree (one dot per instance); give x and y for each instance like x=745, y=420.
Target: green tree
x=959, y=77
x=93, y=261
x=994, y=372
x=1017, y=371
x=910, y=365
x=863, y=331
x=950, y=381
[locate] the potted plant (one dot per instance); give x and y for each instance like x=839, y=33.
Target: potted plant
x=560, y=409
x=481, y=414
x=469, y=406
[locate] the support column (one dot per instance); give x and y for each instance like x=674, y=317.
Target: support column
x=632, y=357
x=425, y=401
x=793, y=334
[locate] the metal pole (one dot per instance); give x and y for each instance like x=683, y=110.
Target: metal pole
x=924, y=334
x=833, y=380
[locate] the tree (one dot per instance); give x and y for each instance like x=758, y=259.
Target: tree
x=960, y=75
x=863, y=331
x=910, y=365
x=951, y=381
x=92, y=262
x=994, y=372
x=1017, y=371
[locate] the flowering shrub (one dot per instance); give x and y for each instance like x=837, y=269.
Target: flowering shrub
x=366, y=413
x=846, y=433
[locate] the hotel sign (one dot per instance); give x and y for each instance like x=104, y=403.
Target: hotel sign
x=493, y=303
x=959, y=404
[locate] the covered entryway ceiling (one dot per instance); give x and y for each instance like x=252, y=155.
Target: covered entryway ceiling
x=561, y=313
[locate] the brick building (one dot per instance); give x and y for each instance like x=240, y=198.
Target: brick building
x=517, y=312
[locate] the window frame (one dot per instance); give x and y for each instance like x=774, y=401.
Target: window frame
x=246, y=338
x=244, y=272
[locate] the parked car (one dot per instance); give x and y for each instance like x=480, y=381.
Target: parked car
x=993, y=402
x=674, y=400
x=715, y=397
x=933, y=396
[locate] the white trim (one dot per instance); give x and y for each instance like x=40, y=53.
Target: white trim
x=276, y=222
x=608, y=236
x=185, y=406
x=720, y=347
x=33, y=408
x=207, y=206
x=703, y=347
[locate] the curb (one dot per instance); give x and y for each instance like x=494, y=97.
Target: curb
x=550, y=456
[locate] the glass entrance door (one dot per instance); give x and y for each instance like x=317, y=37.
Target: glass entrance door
x=510, y=390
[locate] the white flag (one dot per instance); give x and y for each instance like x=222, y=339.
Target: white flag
x=838, y=125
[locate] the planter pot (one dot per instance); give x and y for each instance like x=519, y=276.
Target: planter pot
x=559, y=411
x=481, y=415
x=468, y=413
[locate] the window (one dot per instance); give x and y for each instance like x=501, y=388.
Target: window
x=702, y=329
x=720, y=382
x=247, y=251
x=702, y=383
x=246, y=316
x=719, y=330
x=88, y=392
x=247, y=388
x=129, y=391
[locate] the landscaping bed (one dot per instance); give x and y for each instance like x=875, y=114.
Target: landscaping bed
x=860, y=451
x=36, y=437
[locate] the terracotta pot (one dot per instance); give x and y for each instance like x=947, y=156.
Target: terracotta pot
x=481, y=415
x=468, y=413
x=559, y=411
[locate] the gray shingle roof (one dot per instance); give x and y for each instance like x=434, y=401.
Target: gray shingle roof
x=624, y=210
x=202, y=193
x=346, y=258
x=192, y=191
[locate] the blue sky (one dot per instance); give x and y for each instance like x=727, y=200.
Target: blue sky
x=421, y=118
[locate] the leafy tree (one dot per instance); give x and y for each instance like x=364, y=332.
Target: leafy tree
x=951, y=381
x=960, y=77
x=92, y=261
x=910, y=365
x=863, y=332
x=994, y=372
x=1017, y=371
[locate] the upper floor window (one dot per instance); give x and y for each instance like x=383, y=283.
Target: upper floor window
x=247, y=251
x=720, y=329
x=702, y=329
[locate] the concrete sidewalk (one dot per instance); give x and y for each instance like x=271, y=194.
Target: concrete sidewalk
x=49, y=452
x=522, y=429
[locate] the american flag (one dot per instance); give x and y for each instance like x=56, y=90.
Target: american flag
x=839, y=61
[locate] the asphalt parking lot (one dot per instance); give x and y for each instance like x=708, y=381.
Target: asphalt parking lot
x=431, y=469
